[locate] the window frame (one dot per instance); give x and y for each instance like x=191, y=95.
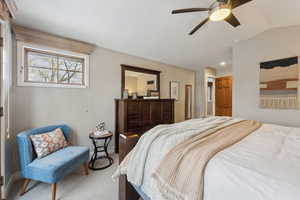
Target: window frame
x=22, y=47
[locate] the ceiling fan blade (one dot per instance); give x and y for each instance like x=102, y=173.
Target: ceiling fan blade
x=199, y=26
x=189, y=10
x=237, y=3
x=231, y=19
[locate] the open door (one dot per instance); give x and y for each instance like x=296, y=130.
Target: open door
x=5, y=89
x=2, y=133
x=224, y=96
x=6, y=14
x=188, y=102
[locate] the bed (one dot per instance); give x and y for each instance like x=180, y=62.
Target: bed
x=265, y=166
x=141, y=193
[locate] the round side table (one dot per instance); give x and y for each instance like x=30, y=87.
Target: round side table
x=98, y=149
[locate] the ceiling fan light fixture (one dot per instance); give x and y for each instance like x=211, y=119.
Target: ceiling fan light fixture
x=220, y=13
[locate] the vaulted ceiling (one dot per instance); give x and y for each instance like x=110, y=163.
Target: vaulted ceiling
x=147, y=29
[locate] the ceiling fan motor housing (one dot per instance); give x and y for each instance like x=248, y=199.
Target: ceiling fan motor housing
x=220, y=10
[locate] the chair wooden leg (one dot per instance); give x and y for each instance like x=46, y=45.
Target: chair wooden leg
x=86, y=169
x=25, y=184
x=53, y=191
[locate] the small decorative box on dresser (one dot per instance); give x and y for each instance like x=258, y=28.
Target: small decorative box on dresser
x=140, y=115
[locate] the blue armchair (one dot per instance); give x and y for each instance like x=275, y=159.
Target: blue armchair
x=54, y=167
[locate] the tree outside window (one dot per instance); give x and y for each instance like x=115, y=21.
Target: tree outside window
x=50, y=68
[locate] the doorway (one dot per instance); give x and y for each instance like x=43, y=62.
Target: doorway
x=210, y=96
x=188, y=102
x=209, y=91
x=224, y=96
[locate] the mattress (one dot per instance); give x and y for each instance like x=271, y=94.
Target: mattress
x=263, y=166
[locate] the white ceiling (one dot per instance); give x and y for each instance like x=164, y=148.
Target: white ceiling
x=146, y=28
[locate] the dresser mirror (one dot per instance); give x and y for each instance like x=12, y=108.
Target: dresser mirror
x=140, y=83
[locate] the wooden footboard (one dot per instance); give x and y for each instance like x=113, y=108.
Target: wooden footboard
x=126, y=143
x=126, y=191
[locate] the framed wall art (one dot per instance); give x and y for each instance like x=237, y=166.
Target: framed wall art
x=279, y=81
x=174, y=90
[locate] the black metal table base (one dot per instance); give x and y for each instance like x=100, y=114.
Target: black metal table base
x=99, y=149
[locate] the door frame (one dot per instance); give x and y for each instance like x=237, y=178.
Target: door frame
x=5, y=98
x=186, y=106
x=2, y=131
x=2, y=121
x=223, y=77
x=213, y=94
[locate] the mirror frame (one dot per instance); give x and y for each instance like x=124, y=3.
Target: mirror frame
x=125, y=68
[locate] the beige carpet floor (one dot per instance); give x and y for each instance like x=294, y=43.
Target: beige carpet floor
x=97, y=186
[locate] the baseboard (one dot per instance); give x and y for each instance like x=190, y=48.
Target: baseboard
x=14, y=177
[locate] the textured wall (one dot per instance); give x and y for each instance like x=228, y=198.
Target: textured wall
x=247, y=55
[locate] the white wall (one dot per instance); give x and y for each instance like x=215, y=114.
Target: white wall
x=81, y=108
x=200, y=93
x=224, y=71
x=273, y=44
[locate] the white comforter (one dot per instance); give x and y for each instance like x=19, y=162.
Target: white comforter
x=263, y=166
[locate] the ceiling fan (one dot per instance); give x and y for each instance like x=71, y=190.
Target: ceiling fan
x=217, y=11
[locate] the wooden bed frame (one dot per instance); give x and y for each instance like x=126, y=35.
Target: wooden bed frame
x=126, y=190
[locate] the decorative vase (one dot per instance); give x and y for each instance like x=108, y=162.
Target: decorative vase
x=125, y=94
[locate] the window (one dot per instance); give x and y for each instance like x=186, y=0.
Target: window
x=45, y=67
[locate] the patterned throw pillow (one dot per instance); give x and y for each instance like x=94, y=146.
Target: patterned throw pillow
x=47, y=143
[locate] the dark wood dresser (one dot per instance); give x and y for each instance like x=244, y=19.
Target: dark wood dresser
x=139, y=115
x=133, y=118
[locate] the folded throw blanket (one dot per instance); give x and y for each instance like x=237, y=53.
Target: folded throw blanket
x=180, y=175
x=169, y=135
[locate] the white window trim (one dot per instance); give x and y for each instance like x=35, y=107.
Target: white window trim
x=21, y=72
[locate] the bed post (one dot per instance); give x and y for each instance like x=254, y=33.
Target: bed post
x=126, y=191
x=126, y=144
